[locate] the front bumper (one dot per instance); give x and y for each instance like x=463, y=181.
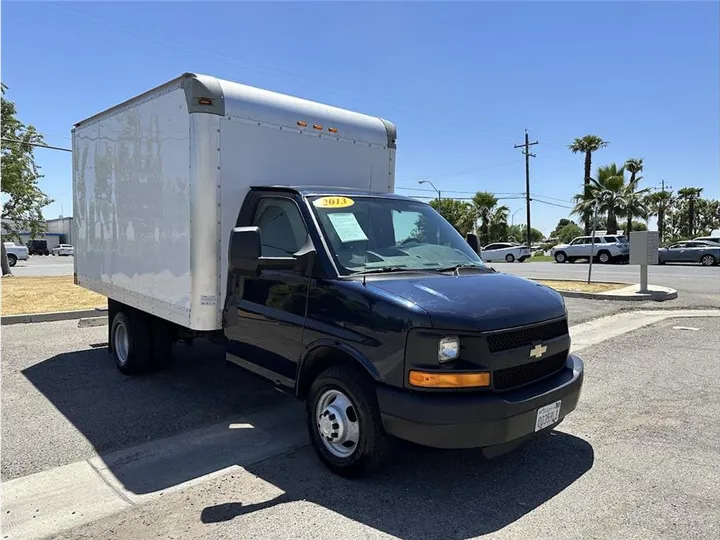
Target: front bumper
x=478, y=420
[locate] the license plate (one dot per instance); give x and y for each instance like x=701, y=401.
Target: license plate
x=547, y=415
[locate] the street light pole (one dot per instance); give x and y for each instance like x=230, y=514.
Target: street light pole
x=512, y=219
x=433, y=186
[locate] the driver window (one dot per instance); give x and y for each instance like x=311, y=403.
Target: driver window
x=281, y=226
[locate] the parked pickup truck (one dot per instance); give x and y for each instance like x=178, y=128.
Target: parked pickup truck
x=15, y=253
x=608, y=248
x=267, y=223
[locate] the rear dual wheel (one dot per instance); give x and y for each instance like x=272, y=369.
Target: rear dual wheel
x=140, y=342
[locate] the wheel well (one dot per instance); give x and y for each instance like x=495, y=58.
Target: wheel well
x=604, y=251
x=317, y=361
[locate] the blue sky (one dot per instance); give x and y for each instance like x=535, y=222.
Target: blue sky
x=460, y=80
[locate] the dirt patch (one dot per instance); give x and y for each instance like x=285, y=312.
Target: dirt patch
x=22, y=295
x=581, y=286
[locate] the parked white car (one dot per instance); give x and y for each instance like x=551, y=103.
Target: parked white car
x=504, y=251
x=16, y=253
x=608, y=248
x=63, y=250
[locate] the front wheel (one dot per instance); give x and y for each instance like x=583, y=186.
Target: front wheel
x=708, y=260
x=344, y=422
x=509, y=258
x=12, y=259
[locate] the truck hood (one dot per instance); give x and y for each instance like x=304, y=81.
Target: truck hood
x=477, y=302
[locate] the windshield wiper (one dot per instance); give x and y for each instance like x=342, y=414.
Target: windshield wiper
x=457, y=267
x=388, y=269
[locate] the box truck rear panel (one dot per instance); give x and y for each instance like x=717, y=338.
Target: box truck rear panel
x=132, y=204
x=160, y=179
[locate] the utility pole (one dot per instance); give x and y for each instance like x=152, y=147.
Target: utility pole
x=526, y=150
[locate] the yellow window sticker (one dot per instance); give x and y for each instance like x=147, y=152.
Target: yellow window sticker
x=333, y=202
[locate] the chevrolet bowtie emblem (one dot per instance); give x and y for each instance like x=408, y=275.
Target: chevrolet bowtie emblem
x=537, y=351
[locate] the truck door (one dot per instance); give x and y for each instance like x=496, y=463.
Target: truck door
x=265, y=315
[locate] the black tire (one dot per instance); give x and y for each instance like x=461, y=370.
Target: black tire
x=133, y=357
x=12, y=259
x=46, y=253
x=560, y=257
x=162, y=343
x=708, y=260
x=604, y=257
x=509, y=258
x=523, y=259
x=374, y=446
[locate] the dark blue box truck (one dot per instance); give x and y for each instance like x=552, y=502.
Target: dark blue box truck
x=207, y=208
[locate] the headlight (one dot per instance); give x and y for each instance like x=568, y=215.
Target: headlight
x=448, y=349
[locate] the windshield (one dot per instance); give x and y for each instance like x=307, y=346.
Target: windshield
x=372, y=234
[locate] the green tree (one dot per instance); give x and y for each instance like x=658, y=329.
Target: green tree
x=459, y=214
x=568, y=232
x=689, y=195
x=608, y=192
x=493, y=218
x=22, y=198
x=518, y=233
x=634, y=199
x=659, y=204
x=587, y=145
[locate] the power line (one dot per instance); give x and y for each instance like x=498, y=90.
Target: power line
x=553, y=204
x=526, y=152
x=39, y=145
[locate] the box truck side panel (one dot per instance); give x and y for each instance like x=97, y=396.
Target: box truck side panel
x=132, y=203
x=267, y=154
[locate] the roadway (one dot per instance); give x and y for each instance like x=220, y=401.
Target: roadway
x=697, y=286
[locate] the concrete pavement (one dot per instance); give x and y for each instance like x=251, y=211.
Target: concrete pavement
x=230, y=488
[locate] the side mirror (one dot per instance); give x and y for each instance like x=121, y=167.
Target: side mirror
x=472, y=240
x=245, y=253
x=245, y=249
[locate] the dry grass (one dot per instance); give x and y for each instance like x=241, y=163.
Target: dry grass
x=21, y=295
x=581, y=286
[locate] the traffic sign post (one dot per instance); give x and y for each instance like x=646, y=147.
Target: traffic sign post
x=644, y=246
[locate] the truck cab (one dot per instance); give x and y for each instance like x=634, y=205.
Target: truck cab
x=375, y=311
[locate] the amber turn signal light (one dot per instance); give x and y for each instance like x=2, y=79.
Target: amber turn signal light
x=424, y=379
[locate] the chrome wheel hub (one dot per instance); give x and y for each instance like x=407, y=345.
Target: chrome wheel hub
x=121, y=343
x=337, y=423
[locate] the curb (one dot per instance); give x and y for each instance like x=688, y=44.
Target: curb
x=656, y=295
x=51, y=317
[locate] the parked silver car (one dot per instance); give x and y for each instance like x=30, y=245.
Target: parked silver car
x=691, y=251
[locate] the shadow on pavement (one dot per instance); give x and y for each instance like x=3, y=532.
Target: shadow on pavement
x=424, y=494
x=429, y=494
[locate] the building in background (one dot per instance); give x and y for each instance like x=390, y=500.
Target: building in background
x=57, y=231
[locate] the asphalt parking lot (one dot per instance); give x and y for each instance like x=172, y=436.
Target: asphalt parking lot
x=42, y=265
x=638, y=459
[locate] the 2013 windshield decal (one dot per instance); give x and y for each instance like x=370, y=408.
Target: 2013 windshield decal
x=333, y=202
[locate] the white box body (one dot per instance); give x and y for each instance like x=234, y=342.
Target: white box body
x=158, y=182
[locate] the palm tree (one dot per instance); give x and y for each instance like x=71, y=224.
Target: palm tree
x=659, y=203
x=690, y=194
x=488, y=213
x=608, y=191
x=634, y=203
x=587, y=145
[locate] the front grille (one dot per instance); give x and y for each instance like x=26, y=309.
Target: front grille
x=507, y=378
x=512, y=339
